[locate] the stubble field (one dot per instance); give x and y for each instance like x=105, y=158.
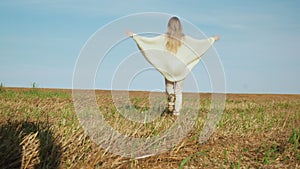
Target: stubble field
x=39, y=129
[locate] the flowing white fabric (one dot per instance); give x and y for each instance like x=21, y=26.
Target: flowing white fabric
x=174, y=67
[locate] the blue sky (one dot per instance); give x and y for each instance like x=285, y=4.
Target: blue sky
x=259, y=47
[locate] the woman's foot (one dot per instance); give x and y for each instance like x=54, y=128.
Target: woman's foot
x=176, y=113
x=171, y=104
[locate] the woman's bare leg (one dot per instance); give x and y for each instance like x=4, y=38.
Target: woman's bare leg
x=171, y=95
x=178, y=93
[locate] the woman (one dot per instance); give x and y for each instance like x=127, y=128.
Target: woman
x=172, y=42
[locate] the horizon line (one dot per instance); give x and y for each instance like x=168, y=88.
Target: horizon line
x=123, y=90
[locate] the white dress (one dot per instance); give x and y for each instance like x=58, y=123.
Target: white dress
x=174, y=67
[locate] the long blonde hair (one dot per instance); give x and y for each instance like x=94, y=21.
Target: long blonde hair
x=174, y=34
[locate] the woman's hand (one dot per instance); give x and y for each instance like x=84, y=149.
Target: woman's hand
x=129, y=33
x=217, y=37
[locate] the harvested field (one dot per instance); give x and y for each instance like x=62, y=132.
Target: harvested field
x=39, y=129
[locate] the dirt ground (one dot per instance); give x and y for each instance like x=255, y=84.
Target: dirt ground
x=39, y=129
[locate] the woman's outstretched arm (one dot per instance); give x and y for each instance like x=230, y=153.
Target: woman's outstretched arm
x=129, y=33
x=217, y=37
